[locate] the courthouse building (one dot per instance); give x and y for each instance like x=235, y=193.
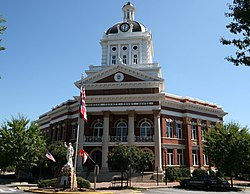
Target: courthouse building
x=127, y=103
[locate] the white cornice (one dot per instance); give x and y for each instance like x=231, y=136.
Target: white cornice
x=123, y=98
x=122, y=85
x=119, y=68
x=193, y=107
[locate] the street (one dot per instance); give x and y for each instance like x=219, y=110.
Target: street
x=184, y=191
x=8, y=190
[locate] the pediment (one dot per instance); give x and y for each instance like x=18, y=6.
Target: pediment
x=115, y=72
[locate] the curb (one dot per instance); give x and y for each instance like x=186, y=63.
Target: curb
x=64, y=192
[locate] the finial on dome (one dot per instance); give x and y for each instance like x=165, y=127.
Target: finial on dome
x=128, y=10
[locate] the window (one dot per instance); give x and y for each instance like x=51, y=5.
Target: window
x=145, y=129
x=59, y=129
x=98, y=129
x=97, y=157
x=178, y=130
x=193, y=132
x=135, y=60
x=206, y=161
x=170, y=157
x=203, y=131
x=124, y=59
x=113, y=60
x=73, y=132
x=169, y=129
x=180, y=157
x=195, y=157
x=121, y=129
x=63, y=132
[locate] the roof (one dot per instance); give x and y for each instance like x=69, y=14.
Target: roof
x=137, y=27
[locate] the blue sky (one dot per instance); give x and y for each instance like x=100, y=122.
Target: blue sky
x=50, y=43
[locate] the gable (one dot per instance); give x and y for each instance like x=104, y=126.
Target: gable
x=121, y=77
x=129, y=74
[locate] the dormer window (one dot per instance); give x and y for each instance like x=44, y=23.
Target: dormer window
x=113, y=60
x=135, y=60
x=124, y=59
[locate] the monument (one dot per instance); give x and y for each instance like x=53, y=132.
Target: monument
x=67, y=177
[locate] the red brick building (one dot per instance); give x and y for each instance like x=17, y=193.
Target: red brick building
x=127, y=103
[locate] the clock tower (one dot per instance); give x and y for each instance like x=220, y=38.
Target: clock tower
x=128, y=42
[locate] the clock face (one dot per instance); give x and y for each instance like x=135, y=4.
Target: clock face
x=119, y=77
x=124, y=27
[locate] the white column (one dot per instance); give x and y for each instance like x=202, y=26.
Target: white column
x=109, y=56
x=140, y=61
x=119, y=53
x=157, y=134
x=129, y=54
x=81, y=126
x=131, y=127
x=105, y=141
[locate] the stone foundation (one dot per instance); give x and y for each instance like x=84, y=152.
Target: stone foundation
x=67, y=178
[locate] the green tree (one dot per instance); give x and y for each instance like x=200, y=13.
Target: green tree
x=21, y=143
x=228, y=147
x=125, y=157
x=240, y=26
x=2, y=29
x=144, y=162
x=59, y=153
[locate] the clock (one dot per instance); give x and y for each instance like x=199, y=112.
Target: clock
x=119, y=77
x=124, y=27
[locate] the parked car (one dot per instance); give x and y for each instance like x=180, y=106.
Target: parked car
x=205, y=181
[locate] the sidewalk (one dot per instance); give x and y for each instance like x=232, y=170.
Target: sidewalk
x=101, y=188
x=105, y=187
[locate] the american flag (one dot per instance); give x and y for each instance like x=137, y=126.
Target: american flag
x=83, y=110
x=49, y=156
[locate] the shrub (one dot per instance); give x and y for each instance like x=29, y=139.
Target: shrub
x=47, y=183
x=172, y=174
x=199, y=171
x=184, y=172
x=82, y=183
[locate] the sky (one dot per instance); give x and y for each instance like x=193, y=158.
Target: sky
x=50, y=43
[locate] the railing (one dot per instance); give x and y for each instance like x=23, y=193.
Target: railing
x=93, y=138
x=118, y=138
x=144, y=139
x=143, y=65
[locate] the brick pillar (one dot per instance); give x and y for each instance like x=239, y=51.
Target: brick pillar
x=199, y=136
x=189, y=160
x=175, y=156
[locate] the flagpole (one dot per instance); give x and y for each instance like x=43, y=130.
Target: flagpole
x=77, y=135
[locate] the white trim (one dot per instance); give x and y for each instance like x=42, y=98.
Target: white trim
x=196, y=116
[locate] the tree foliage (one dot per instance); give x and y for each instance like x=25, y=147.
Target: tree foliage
x=58, y=151
x=21, y=143
x=228, y=147
x=240, y=26
x=125, y=157
x=2, y=29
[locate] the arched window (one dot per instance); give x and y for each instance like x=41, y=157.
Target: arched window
x=145, y=129
x=121, y=129
x=97, y=157
x=98, y=129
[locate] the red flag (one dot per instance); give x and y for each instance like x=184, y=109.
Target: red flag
x=49, y=156
x=83, y=110
x=84, y=156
